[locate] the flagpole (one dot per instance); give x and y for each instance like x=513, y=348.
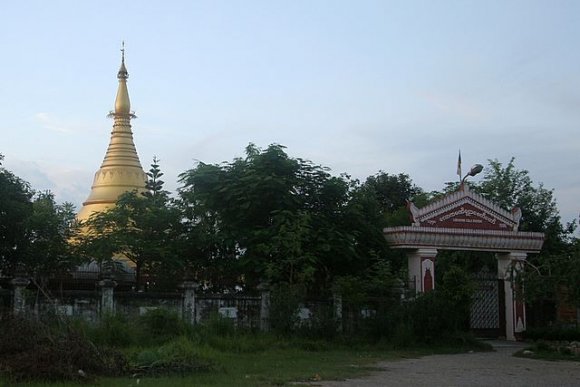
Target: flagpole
x=459, y=165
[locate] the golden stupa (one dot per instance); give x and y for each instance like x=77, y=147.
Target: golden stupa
x=121, y=169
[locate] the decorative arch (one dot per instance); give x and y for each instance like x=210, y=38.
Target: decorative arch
x=465, y=220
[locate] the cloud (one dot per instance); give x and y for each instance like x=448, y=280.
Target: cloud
x=51, y=123
x=69, y=126
x=68, y=184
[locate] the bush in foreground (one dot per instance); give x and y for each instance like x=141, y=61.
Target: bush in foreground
x=179, y=356
x=31, y=350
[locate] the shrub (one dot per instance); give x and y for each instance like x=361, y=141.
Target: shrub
x=161, y=323
x=386, y=322
x=441, y=314
x=457, y=288
x=404, y=336
x=321, y=325
x=221, y=334
x=177, y=356
x=285, y=304
x=31, y=350
x=115, y=331
x=432, y=316
x=239, y=343
x=218, y=325
x=153, y=327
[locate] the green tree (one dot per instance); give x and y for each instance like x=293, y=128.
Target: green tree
x=268, y=216
x=392, y=193
x=383, y=199
x=34, y=230
x=15, y=208
x=154, y=183
x=294, y=263
x=252, y=205
x=50, y=228
x=567, y=270
x=511, y=187
x=141, y=227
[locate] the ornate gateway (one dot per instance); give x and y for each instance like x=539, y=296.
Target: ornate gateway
x=465, y=220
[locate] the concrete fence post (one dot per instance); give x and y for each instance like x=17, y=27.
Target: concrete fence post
x=19, y=302
x=264, y=307
x=188, y=307
x=107, y=296
x=337, y=302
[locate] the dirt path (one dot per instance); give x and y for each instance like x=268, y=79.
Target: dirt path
x=498, y=368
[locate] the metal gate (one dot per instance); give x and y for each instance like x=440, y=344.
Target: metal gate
x=484, y=317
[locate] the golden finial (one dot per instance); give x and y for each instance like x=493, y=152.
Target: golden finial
x=123, y=74
x=122, y=104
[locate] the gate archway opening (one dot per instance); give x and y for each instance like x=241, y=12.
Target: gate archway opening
x=465, y=220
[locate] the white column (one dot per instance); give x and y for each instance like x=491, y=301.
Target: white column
x=107, y=296
x=264, y=289
x=18, y=302
x=421, y=265
x=508, y=265
x=188, y=308
x=337, y=302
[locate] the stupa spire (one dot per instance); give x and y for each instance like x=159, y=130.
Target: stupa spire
x=122, y=102
x=121, y=169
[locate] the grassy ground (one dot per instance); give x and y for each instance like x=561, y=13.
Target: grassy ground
x=268, y=368
x=161, y=351
x=277, y=367
x=544, y=352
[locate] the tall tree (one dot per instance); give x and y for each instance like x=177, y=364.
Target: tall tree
x=15, y=208
x=392, y=191
x=34, y=230
x=142, y=228
x=276, y=218
x=245, y=203
x=49, y=230
x=511, y=187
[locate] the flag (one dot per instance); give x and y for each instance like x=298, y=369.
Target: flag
x=459, y=165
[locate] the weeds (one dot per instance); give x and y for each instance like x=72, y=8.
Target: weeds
x=31, y=350
x=546, y=351
x=179, y=356
x=160, y=344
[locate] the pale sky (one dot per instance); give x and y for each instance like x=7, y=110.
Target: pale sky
x=357, y=86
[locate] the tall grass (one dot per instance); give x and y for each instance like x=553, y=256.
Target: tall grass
x=160, y=344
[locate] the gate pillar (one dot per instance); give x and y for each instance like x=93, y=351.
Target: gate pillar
x=19, y=301
x=421, y=264
x=508, y=266
x=188, y=307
